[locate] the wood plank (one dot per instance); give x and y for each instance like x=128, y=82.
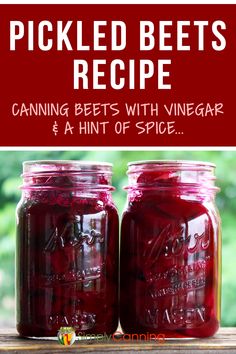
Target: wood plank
x=223, y=342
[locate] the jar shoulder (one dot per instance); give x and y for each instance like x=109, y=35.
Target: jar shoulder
x=171, y=205
x=81, y=206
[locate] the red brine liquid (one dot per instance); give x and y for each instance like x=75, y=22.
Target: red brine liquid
x=170, y=250
x=67, y=250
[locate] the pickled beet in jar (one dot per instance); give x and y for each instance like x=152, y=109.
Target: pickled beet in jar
x=67, y=249
x=171, y=250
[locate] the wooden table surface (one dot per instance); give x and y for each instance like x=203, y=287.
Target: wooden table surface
x=223, y=342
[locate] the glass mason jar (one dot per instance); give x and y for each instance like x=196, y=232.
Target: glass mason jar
x=67, y=249
x=171, y=250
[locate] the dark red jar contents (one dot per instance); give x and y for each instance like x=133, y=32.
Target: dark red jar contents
x=170, y=251
x=67, y=252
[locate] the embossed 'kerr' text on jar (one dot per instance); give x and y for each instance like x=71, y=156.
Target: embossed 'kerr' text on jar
x=171, y=250
x=67, y=249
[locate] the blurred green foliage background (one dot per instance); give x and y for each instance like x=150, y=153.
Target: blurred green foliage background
x=11, y=168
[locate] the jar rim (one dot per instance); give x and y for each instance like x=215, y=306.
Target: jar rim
x=172, y=175
x=34, y=166
x=173, y=163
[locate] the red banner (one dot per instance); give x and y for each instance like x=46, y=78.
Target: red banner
x=117, y=75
